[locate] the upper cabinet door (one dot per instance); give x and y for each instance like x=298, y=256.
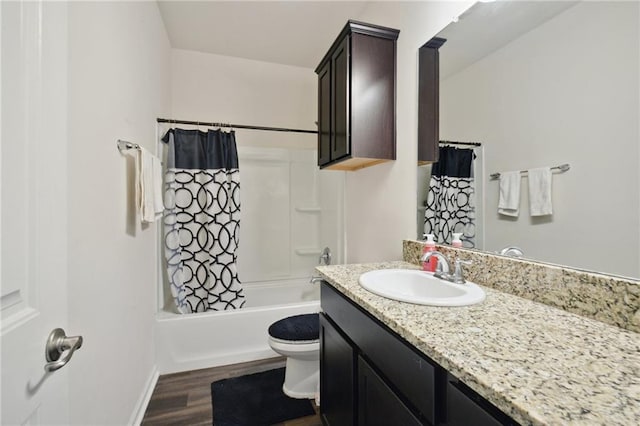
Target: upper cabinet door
x=324, y=114
x=341, y=92
x=429, y=100
x=359, y=111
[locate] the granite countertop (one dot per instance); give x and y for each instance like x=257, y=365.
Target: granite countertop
x=539, y=364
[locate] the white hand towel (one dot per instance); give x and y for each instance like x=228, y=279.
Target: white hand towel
x=540, y=191
x=158, y=205
x=148, y=184
x=509, y=201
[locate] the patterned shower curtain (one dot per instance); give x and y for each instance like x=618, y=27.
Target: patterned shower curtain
x=202, y=220
x=451, y=198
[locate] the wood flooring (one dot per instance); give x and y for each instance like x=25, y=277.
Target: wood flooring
x=185, y=398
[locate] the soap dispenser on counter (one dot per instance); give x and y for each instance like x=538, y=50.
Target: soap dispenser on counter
x=429, y=246
x=456, y=242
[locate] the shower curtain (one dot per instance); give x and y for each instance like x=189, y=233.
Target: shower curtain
x=202, y=220
x=450, y=200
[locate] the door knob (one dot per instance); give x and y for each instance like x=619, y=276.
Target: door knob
x=59, y=349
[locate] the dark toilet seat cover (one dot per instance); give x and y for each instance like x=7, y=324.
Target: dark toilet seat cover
x=296, y=328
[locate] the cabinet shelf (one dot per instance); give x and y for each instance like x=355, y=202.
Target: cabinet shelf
x=308, y=251
x=309, y=209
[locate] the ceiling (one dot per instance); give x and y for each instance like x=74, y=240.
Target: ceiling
x=299, y=32
x=294, y=33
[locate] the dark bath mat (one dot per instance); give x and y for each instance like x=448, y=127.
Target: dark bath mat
x=255, y=400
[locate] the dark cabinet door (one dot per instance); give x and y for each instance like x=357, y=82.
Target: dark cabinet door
x=324, y=114
x=465, y=407
x=408, y=372
x=428, y=101
x=340, y=145
x=378, y=405
x=337, y=376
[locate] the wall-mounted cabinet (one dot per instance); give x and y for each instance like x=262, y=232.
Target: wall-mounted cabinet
x=428, y=100
x=356, y=98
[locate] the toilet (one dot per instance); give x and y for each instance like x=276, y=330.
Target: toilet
x=298, y=339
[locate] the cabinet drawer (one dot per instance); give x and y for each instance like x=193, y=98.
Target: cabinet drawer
x=465, y=407
x=377, y=404
x=410, y=372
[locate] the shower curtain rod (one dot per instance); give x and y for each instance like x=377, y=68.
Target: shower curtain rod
x=462, y=143
x=234, y=126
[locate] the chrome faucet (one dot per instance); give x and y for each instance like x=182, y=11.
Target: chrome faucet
x=442, y=269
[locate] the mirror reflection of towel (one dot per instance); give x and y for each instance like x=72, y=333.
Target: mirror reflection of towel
x=540, y=191
x=509, y=202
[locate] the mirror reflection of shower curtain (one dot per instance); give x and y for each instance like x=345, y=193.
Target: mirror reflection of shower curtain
x=202, y=220
x=451, y=197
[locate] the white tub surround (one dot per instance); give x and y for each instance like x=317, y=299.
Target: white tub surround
x=538, y=364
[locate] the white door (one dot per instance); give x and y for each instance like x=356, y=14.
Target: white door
x=33, y=191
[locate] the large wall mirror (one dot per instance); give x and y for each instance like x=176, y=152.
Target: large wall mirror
x=543, y=84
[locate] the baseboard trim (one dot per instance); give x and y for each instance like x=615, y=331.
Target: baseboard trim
x=141, y=406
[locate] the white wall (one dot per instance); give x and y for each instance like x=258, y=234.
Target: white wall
x=119, y=64
x=219, y=88
x=566, y=92
x=381, y=200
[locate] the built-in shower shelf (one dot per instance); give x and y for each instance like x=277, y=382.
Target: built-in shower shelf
x=308, y=251
x=308, y=209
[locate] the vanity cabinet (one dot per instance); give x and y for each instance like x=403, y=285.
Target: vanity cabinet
x=370, y=376
x=337, y=378
x=356, y=98
x=429, y=101
x=463, y=404
x=377, y=403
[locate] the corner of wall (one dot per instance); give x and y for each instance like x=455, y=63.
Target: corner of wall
x=141, y=405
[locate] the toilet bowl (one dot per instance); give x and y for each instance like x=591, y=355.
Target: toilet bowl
x=298, y=339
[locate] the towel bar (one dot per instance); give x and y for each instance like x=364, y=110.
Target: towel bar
x=561, y=168
x=125, y=145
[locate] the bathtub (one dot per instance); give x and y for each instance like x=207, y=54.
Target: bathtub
x=210, y=339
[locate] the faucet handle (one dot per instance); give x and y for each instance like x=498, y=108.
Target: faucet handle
x=458, y=272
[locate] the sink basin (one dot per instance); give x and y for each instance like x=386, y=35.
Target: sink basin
x=419, y=287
